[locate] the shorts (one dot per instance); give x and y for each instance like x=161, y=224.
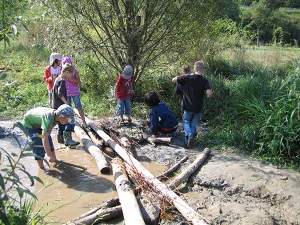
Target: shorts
x=76, y=100
x=123, y=107
x=38, y=147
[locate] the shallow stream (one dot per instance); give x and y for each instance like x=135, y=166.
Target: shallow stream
x=68, y=190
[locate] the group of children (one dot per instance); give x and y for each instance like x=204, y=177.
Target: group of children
x=63, y=86
x=191, y=88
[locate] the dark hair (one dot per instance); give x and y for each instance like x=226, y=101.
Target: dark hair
x=151, y=99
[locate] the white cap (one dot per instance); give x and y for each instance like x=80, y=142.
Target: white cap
x=54, y=56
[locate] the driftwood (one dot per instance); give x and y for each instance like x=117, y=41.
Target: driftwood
x=161, y=140
x=190, y=214
x=183, y=176
x=149, y=216
x=97, y=142
x=131, y=211
x=93, y=150
x=172, y=169
x=98, y=216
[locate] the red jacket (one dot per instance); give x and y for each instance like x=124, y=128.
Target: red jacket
x=48, y=78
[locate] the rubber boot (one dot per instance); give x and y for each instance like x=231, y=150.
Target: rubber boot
x=60, y=138
x=68, y=139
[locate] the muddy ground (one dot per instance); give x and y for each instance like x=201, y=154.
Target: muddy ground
x=228, y=188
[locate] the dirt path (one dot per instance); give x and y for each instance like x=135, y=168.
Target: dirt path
x=228, y=188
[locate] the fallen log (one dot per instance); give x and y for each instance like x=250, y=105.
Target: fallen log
x=130, y=208
x=93, y=150
x=109, y=204
x=100, y=215
x=190, y=214
x=172, y=169
x=97, y=142
x=161, y=140
x=183, y=176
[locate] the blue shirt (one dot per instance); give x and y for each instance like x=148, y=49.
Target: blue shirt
x=161, y=116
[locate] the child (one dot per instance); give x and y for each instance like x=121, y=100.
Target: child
x=162, y=120
x=51, y=72
x=73, y=91
x=59, y=97
x=123, y=93
x=194, y=87
x=185, y=70
x=41, y=121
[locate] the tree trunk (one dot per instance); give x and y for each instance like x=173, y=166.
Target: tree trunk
x=190, y=214
x=131, y=211
x=182, y=177
x=93, y=150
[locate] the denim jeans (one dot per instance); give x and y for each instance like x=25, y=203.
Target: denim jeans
x=190, y=122
x=123, y=107
x=76, y=100
x=67, y=127
x=38, y=147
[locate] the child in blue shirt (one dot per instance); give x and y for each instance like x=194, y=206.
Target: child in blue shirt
x=162, y=120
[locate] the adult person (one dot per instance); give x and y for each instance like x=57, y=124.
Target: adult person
x=39, y=123
x=64, y=135
x=194, y=87
x=73, y=91
x=51, y=72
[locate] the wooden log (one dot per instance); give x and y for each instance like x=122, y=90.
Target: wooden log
x=161, y=140
x=130, y=208
x=93, y=150
x=172, y=169
x=182, y=177
x=100, y=215
x=109, y=204
x=97, y=142
x=190, y=214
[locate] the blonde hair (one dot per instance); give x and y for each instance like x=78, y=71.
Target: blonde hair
x=67, y=67
x=199, y=67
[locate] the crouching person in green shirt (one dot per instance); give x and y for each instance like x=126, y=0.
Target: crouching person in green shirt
x=39, y=123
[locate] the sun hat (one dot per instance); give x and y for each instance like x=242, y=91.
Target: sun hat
x=67, y=112
x=66, y=60
x=54, y=56
x=127, y=72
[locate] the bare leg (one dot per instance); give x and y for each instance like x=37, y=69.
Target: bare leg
x=40, y=164
x=81, y=113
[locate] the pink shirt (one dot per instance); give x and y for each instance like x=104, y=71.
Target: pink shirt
x=72, y=88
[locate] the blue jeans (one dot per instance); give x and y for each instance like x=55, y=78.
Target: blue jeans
x=76, y=100
x=190, y=122
x=38, y=147
x=123, y=107
x=67, y=127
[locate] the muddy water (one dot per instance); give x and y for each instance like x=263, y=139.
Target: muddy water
x=68, y=190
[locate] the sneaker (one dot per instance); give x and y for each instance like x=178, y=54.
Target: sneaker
x=191, y=142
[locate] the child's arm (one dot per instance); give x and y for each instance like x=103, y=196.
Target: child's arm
x=75, y=80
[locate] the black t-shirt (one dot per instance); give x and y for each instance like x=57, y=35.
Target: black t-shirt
x=59, y=90
x=193, y=88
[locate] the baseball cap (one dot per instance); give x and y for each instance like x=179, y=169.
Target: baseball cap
x=127, y=72
x=67, y=112
x=66, y=60
x=54, y=56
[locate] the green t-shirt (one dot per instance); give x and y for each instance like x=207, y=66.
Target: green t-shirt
x=40, y=118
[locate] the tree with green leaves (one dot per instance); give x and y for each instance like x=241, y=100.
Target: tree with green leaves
x=128, y=32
